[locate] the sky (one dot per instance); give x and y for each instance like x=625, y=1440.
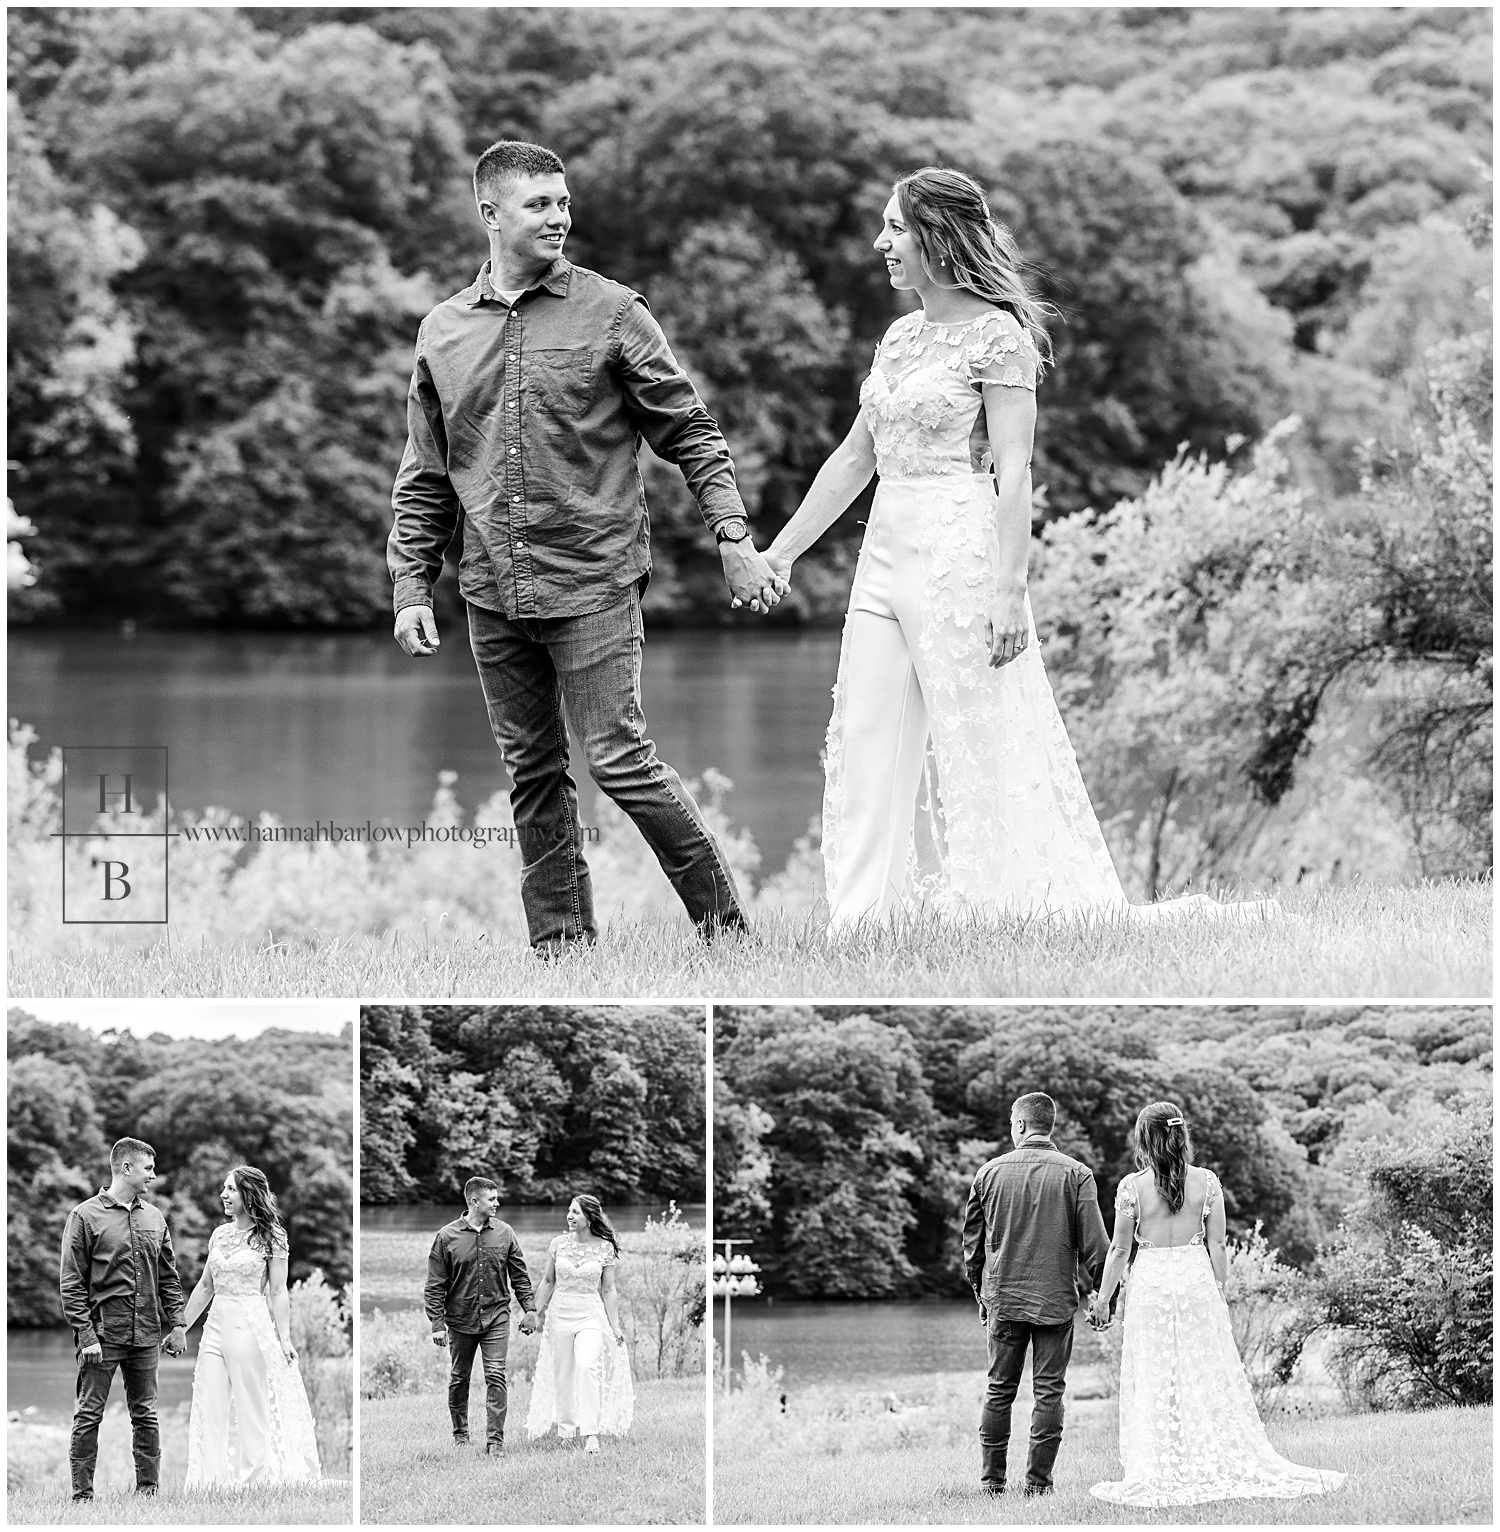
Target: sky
x=208, y=1019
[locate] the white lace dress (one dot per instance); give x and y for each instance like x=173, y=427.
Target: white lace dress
x=1189, y=1429
x=250, y=1423
x=583, y=1383
x=948, y=783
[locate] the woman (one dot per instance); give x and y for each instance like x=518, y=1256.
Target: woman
x=939, y=644
x=583, y=1381
x=250, y=1421
x=1189, y=1430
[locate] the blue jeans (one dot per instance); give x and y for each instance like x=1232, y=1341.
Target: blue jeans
x=530, y=668
x=137, y=1365
x=1051, y=1349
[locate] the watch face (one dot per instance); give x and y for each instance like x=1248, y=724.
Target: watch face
x=731, y=531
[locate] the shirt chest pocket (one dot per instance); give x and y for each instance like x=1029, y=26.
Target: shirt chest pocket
x=558, y=380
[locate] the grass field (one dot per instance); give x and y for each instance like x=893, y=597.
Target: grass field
x=909, y=1454
x=411, y=1471
x=281, y=1505
x=1429, y=940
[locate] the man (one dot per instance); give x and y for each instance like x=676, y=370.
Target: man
x=1032, y=1220
x=531, y=391
x=474, y=1267
x=120, y=1292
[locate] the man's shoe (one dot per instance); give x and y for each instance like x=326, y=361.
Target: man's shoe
x=145, y=1489
x=992, y=1489
x=460, y=1438
x=494, y=1447
x=1038, y=1489
x=84, y=1494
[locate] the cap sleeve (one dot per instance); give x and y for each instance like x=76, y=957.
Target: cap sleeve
x=280, y=1244
x=611, y=1256
x=1215, y=1192
x=554, y=1242
x=1001, y=351
x=1125, y=1198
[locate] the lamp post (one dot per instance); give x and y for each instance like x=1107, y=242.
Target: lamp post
x=734, y=1277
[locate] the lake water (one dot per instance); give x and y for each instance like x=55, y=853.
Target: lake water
x=858, y=1342
x=346, y=728
x=41, y=1367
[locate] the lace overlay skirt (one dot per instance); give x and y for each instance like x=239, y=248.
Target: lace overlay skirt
x=1189, y=1429
x=258, y=1430
x=617, y=1396
x=1003, y=819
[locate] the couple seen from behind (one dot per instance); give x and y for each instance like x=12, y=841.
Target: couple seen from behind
x=476, y=1267
x=950, y=783
x=1189, y=1428
x=249, y=1425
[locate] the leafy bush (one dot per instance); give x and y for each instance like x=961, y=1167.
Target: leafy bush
x=1269, y=1314
x=1408, y=1282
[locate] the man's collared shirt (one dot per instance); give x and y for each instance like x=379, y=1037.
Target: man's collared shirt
x=1031, y=1223
x=471, y=1274
x=118, y=1276
x=526, y=418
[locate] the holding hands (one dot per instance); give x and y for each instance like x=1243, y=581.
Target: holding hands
x=1099, y=1316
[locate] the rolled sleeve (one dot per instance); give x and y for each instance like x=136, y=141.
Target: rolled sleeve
x=73, y=1279
x=665, y=408
x=425, y=503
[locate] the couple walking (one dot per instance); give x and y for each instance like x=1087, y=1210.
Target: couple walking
x=249, y=1424
x=476, y=1266
x=531, y=392
x=1189, y=1429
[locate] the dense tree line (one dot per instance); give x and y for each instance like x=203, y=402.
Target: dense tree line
x=224, y=226
x=282, y=1101
x=547, y=1101
x=845, y=1139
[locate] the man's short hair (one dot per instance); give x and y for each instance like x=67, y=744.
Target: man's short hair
x=476, y=1184
x=1037, y=1111
x=511, y=157
x=130, y=1149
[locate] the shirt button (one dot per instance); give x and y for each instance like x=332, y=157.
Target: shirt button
x=515, y=499
x=510, y=356
x=513, y=451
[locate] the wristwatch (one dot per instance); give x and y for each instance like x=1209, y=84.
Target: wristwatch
x=733, y=530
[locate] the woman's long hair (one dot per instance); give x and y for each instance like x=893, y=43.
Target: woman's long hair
x=259, y=1202
x=947, y=212
x=598, y=1221
x=1164, y=1147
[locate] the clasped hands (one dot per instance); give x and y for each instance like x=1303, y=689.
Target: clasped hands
x=1099, y=1317
x=757, y=580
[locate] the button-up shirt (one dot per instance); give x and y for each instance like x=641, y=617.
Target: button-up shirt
x=525, y=418
x=471, y=1274
x=118, y=1276
x=1034, y=1240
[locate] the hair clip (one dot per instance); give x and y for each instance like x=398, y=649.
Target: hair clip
x=1174, y=1122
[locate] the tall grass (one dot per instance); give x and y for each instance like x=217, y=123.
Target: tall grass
x=39, y=1489
x=1425, y=941
x=908, y=1453
x=445, y=920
